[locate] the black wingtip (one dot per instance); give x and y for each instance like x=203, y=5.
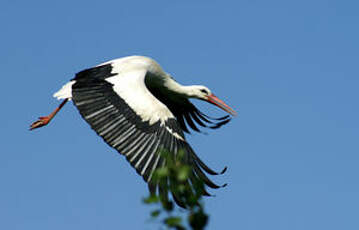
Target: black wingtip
x=219, y=124
x=206, y=193
x=224, y=118
x=224, y=170
x=213, y=195
x=215, y=118
x=224, y=185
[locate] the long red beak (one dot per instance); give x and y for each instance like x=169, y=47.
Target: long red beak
x=218, y=102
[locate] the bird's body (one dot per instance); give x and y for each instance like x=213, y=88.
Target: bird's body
x=138, y=109
x=129, y=84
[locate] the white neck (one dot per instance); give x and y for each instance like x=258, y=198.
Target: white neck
x=176, y=88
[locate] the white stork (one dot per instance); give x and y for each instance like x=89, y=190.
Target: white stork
x=137, y=108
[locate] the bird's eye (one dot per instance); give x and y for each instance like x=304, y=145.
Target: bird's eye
x=204, y=91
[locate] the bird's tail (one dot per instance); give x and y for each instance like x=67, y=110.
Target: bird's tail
x=65, y=91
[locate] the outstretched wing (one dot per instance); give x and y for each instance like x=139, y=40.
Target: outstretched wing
x=121, y=110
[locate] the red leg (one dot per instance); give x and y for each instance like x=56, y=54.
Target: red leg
x=45, y=120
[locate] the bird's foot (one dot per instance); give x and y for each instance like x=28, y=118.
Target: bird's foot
x=41, y=122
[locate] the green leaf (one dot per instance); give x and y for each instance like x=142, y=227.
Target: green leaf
x=198, y=220
x=162, y=172
x=155, y=213
x=151, y=199
x=168, y=206
x=183, y=173
x=173, y=221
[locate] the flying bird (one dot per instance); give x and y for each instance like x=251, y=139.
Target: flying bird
x=138, y=109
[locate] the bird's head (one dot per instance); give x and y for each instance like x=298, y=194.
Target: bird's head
x=203, y=93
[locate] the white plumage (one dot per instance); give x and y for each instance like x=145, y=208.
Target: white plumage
x=65, y=91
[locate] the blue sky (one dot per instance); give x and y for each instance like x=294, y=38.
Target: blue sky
x=289, y=67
